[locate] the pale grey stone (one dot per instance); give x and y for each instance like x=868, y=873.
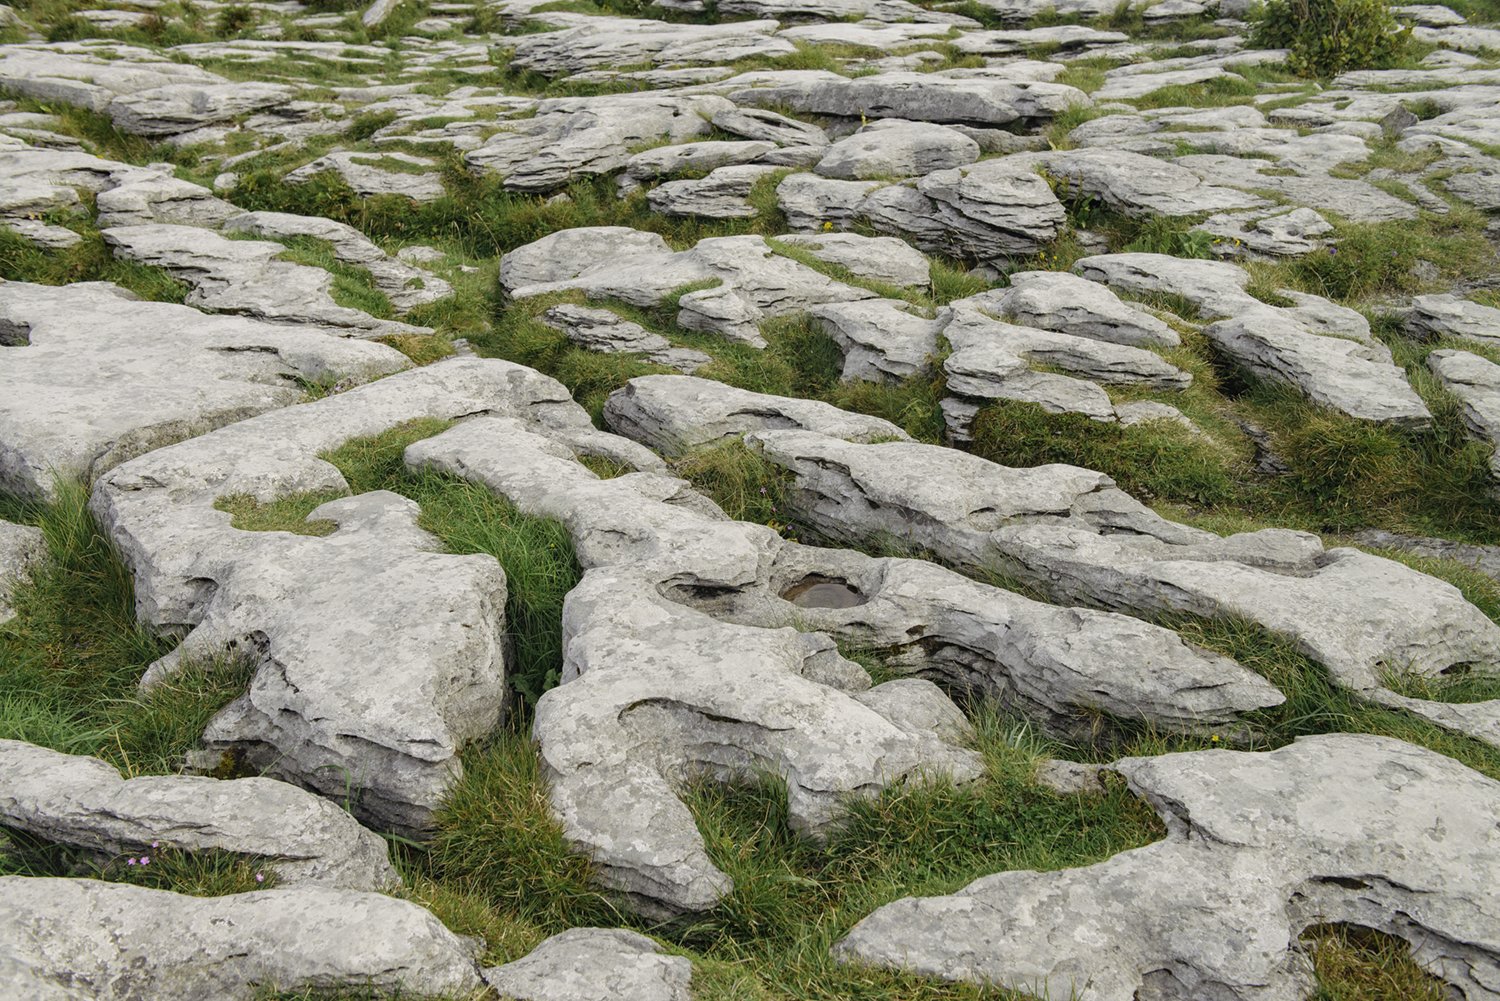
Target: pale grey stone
x=1450, y=316
x=179, y=108
x=1355, y=200
x=922, y=97
x=581, y=136
x=378, y=11
x=595, y=964
x=607, y=332
x=1255, y=234
x=882, y=340
x=1061, y=36
x=1353, y=377
x=1070, y=778
x=247, y=277
x=303, y=607
x=367, y=175
x=812, y=203
x=895, y=148
x=43, y=234
x=22, y=548
x=723, y=194
x=569, y=252
x=1057, y=300
x=878, y=258
x=92, y=377
x=1476, y=383
x=993, y=209
x=1259, y=846
x=68, y=939
x=675, y=414
x=82, y=801
x=596, y=42
x=1138, y=185
x=1128, y=87
x=669, y=161
x=756, y=124
x=160, y=198
x=754, y=283
x=405, y=286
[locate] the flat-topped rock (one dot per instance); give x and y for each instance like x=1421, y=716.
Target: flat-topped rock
x=1476, y=383
x=581, y=136
x=617, y=41
x=723, y=194
x=921, y=97
x=877, y=258
x=595, y=964
x=1057, y=300
x=669, y=161
x=66, y=939
x=82, y=801
x=91, y=376
x=385, y=173
x=609, y=333
x=882, y=340
x=22, y=547
x=301, y=607
x=1140, y=186
x=1259, y=847
x=569, y=252
x=894, y=148
x=1450, y=316
x=673, y=414
x=247, y=277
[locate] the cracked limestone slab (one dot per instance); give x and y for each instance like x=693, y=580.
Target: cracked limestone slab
x=582, y=136
x=882, y=340
x=1450, y=316
x=723, y=194
x=595, y=964
x=247, y=276
x=920, y=97
x=22, y=548
x=888, y=148
x=406, y=286
x=754, y=282
x=877, y=258
x=1355, y=200
x=378, y=656
x=994, y=209
x=669, y=161
x=92, y=376
x=384, y=173
x=1476, y=383
x=1140, y=186
x=675, y=414
x=1259, y=847
x=74, y=939
x=609, y=333
x=82, y=801
x=1057, y=300
x=656, y=692
x=598, y=42
x=1077, y=538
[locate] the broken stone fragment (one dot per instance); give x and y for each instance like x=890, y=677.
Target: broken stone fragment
x=82, y=801
x=595, y=964
x=22, y=547
x=1259, y=847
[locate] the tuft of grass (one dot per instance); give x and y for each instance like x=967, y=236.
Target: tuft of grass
x=200, y=874
x=422, y=349
x=285, y=514
x=1360, y=964
x=87, y=261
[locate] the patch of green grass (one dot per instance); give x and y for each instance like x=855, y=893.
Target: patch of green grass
x=422, y=349
x=1461, y=688
x=1156, y=459
x=199, y=874
x=1377, y=259
x=285, y=514
x=87, y=261
x=71, y=659
x=537, y=553
x=353, y=286
x=1358, y=964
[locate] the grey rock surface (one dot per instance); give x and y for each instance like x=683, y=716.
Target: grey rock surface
x=1057, y=300
x=22, y=548
x=378, y=174
x=673, y=415
x=723, y=194
x=82, y=801
x=669, y=161
x=877, y=258
x=617, y=41
x=595, y=964
x=973, y=100
x=1450, y=316
x=92, y=376
x=247, y=277
x=894, y=148
x=384, y=728
x=1259, y=846
x=1476, y=383
x=68, y=939
x=609, y=333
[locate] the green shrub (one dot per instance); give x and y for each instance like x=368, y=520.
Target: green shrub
x=1327, y=37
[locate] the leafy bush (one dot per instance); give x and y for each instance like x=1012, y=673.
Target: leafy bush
x=1327, y=37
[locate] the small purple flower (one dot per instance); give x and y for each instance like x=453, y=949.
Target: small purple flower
x=130, y=861
x=260, y=877
x=145, y=860
x=1332, y=251
x=762, y=489
x=155, y=843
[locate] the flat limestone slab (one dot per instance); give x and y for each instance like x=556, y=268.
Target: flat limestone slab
x=90, y=376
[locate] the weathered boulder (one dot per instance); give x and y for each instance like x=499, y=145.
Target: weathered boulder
x=723, y=194
x=920, y=97
x=1137, y=185
x=894, y=148
x=387, y=173
x=609, y=333
x=618, y=41
x=669, y=161
x=991, y=210
x=1476, y=383
x=882, y=340
x=878, y=258
x=1057, y=300
x=570, y=252
x=82, y=801
x=67, y=939
x=91, y=376
x=1259, y=846
x=1450, y=316
x=595, y=964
